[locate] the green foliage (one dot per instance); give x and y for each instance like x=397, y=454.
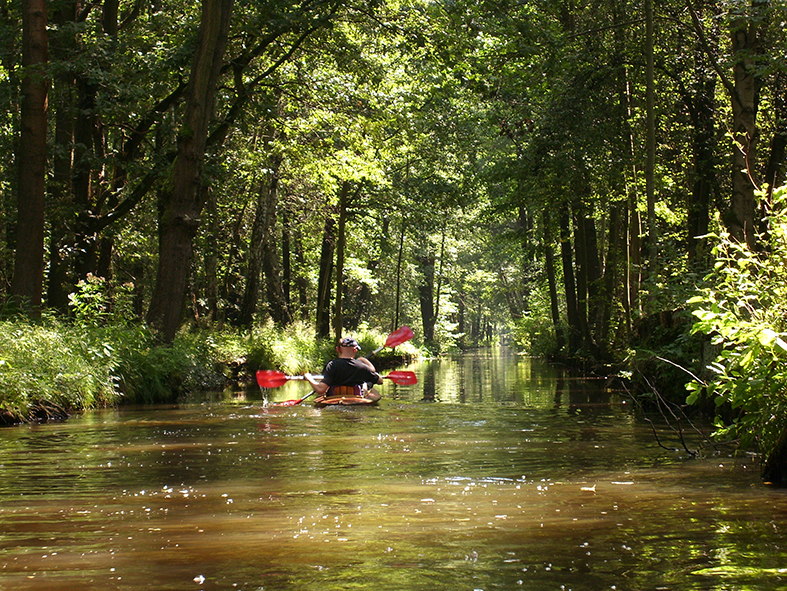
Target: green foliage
x=744, y=312
x=196, y=361
x=52, y=369
x=295, y=350
x=534, y=334
x=292, y=350
x=56, y=368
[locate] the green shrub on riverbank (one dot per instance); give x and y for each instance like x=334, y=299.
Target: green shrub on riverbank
x=743, y=311
x=53, y=368
x=47, y=371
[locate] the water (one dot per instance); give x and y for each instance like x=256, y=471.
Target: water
x=494, y=472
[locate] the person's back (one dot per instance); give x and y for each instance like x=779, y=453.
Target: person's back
x=346, y=376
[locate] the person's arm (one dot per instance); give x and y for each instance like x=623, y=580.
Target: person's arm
x=369, y=364
x=319, y=387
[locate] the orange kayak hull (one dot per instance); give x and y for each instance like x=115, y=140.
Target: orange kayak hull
x=372, y=397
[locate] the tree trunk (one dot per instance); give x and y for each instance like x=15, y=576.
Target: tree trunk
x=774, y=172
x=582, y=280
x=263, y=262
x=286, y=263
x=323, y=320
x=60, y=206
x=610, y=274
x=745, y=45
x=704, y=144
x=211, y=266
x=27, y=284
x=572, y=311
x=341, y=243
x=399, y=256
x=549, y=259
x=426, y=263
x=650, y=166
x=181, y=204
x=301, y=283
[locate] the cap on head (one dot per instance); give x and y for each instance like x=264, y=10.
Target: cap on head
x=348, y=342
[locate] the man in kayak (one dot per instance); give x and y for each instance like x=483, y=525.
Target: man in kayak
x=346, y=375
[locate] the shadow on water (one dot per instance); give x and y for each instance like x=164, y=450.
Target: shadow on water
x=493, y=472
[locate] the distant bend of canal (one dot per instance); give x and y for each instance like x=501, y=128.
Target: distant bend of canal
x=493, y=472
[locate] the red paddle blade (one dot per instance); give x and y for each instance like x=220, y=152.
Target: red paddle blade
x=288, y=402
x=267, y=378
x=404, y=378
x=397, y=337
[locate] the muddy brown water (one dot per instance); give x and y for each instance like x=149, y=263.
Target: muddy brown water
x=493, y=472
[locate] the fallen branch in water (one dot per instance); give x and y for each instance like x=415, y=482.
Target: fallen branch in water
x=673, y=415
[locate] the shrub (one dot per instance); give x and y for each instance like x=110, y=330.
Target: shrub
x=744, y=310
x=50, y=370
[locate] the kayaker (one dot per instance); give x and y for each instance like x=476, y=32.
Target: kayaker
x=346, y=375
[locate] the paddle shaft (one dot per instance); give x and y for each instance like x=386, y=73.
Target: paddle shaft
x=274, y=379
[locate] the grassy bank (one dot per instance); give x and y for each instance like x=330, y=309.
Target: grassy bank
x=52, y=369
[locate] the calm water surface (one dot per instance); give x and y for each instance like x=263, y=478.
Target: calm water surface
x=494, y=472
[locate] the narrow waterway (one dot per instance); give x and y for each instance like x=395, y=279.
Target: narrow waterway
x=493, y=472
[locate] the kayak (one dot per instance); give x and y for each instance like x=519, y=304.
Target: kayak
x=372, y=397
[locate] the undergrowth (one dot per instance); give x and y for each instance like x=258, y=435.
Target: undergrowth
x=56, y=367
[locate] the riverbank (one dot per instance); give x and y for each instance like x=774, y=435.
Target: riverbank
x=52, y=369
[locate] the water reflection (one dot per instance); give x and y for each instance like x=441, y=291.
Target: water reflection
x=515, y=475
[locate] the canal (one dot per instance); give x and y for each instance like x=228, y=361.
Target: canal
x=493, y=472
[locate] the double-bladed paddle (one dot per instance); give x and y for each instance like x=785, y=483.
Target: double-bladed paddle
x=396, y=338
x=267, y=378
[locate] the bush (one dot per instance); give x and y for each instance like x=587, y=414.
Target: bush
x=744, y=311
x=48, y=370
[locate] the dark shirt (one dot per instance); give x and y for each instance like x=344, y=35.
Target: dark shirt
x=348, y=372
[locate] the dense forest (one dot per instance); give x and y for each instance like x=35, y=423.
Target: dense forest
x=592, y=181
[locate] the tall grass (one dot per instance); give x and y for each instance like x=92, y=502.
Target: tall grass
x=56, y=367
x=47, y=371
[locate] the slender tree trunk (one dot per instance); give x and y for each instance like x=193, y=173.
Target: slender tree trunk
x=595, y=279
x=263, y=262
x=60, y=206
x=211, y=269
x=582, y=280
x=461, y=322
x=341, y=242
x=439, y=287
x=271, y=265
x=182, y=203
x=27, y=284
x=572, y=310
x=745, y=36
x=286, y=263
x=610, y=274
x=704, y=149
x=549, y=259
x=774, y=172
x=399, y=255
x=85, y=236
x=301, y=283
x=323, y=320
x=426, y=263
x=251, y=291
x=650, y=166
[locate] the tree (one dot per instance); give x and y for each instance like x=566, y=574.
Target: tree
x=181, y=202
x=31, y=159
